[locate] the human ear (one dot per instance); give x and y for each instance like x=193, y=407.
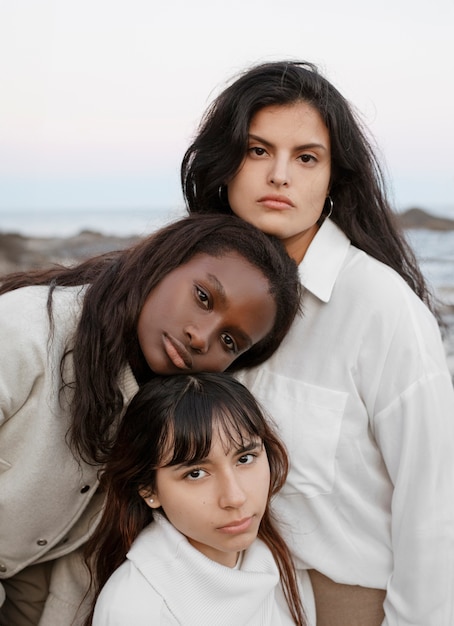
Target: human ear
x=151, y=499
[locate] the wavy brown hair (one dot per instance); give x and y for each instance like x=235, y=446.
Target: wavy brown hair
x=179, y=413
x=118, y=285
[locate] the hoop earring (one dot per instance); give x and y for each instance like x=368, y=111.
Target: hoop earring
x=331, y=207
x=223, y=197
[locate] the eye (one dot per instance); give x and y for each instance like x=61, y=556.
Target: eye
x=202, y=297
x=257, y=151
x=307, y=158
x=196, y=474
x=229, y=342
x=246, y=459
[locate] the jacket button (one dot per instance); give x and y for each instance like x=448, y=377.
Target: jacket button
x=3, y=567
x=85, y=488
x=42, y=542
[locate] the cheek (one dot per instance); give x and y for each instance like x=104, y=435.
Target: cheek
x=144, y=330
x=260, y=484
x=321, y=183
x=261, y=318
x=216, y=364
x=238, y=188
x=171, y=509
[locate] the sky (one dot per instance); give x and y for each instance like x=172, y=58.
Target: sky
x=100, y=98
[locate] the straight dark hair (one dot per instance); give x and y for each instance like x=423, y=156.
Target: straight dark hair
x=170, y=421
x=357, y=185
x=118, y=284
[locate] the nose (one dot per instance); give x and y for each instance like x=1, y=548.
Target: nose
x=279, y=172
x=199, y=338
x=232, y=495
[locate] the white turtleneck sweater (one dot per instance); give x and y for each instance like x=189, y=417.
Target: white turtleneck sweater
x=165, y=581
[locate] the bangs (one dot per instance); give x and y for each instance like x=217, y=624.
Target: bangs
x=188, y=438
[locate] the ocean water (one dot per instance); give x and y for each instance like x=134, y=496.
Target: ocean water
x=435, y=253
x=54, y=223
x=434, y=249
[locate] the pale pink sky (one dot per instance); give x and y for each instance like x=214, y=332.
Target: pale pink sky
x=101, y=97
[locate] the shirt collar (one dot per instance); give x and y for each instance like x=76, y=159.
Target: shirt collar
x=323, y=260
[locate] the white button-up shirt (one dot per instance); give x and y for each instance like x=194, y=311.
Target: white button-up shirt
x=362, y=395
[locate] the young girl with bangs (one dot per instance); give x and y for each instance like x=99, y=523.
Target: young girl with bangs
x=187, y=534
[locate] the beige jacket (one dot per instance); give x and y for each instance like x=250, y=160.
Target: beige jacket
x=48, y=499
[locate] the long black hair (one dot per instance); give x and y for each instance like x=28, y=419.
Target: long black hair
x=118, y=285
x=168, y=422
x=357, y=184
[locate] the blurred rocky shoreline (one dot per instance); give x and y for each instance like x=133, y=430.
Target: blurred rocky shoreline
x=18, y=252
x=23, y=253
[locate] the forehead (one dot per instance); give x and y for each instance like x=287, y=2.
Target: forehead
x=300, y=117
x=225, y=267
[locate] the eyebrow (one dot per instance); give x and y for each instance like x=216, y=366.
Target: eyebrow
x=305, y=146
x=218, y=287
x=253, y=445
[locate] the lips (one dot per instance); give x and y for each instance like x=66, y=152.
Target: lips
x=276, y=202
x=177, y=353
x=238, y=526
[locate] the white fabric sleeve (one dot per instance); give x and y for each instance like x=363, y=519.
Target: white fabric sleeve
x=23, y=341
x=415, y=434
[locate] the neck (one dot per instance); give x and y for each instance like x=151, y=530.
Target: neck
x=297, y=245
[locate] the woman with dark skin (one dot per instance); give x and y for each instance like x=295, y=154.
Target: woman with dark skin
x=360, y=386
x=187, y=535
x=76, y=345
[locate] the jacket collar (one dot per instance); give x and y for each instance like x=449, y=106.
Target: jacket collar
x=323, y=260
x=128, y=384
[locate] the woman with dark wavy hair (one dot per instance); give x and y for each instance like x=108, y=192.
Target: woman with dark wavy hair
x=360, y=387
x=187, y=535
x=201, y=294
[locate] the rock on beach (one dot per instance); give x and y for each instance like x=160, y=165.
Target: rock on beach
x=19, y=253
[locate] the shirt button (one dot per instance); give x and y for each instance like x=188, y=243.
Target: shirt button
x=42, y=542
x=2, y=567
x=85, y=488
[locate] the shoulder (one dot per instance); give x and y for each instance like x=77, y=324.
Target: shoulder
x=127, y=598
x=382, y=295
x=24, y=299
x=388, y=319
x=339, y=274
x=159, y=542
x=30, y=331
x=372, y=283
x=334, y=262
x=30, y=304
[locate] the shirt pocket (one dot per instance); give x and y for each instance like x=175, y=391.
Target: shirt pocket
x=309, y=419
